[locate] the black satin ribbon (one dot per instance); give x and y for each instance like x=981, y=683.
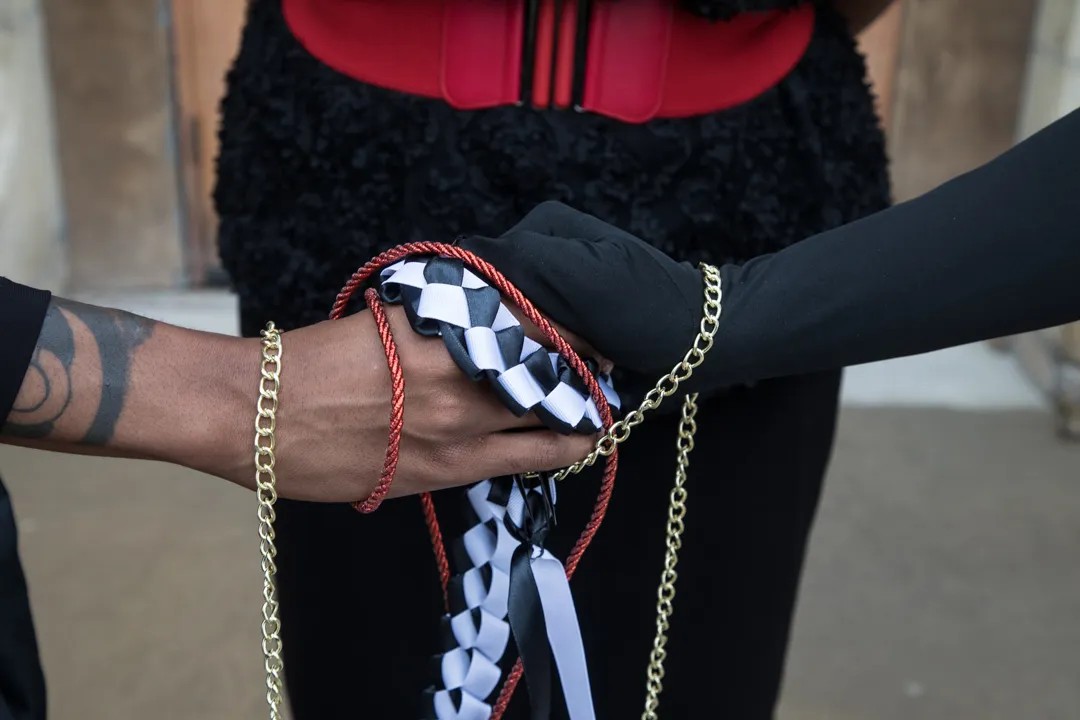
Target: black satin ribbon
x=525, y=610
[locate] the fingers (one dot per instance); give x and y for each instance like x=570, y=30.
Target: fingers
x=510, y=453
x=485, y=412
x=499, y=454
x=580, y=346
x=437, y=390
x=584, y=349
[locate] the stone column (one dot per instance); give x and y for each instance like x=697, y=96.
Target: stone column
x=31, y=250
x=1052, y=89
x=958, y=89
x=112, y=85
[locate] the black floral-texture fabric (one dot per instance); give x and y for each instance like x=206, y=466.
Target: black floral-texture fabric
x=318, y=172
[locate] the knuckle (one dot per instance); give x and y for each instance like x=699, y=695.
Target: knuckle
x=455, y=461
x=449, y=410
x=548, y=450
x=463, y=415
x=442, y=459
x=575, y=448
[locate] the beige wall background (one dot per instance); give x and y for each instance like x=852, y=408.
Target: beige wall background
x=31, y=250
x=112, y=87
x=958, y=87
x=89, y=197
x=1052, y=89
x=1052, y=78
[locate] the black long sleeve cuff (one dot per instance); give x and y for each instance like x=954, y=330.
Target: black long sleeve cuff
x=22, y=312
x=992, y=253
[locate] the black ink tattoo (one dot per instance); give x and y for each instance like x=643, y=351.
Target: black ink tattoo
x=55, y=343
x=116, y=334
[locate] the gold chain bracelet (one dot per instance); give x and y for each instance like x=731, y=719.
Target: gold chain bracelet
x=620, y=431
x=654, y=677
x=667, y=386
x=266, y=489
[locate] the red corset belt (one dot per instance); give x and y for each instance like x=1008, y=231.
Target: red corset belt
x=633, y=60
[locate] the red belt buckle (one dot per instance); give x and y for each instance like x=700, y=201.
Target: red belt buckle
x=481, y=52
x=629, y=45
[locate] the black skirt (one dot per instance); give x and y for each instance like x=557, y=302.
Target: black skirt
x=318, y=172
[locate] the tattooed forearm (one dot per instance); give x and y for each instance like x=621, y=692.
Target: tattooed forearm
x=75, y=334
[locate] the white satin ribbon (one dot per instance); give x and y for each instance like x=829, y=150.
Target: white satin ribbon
x=472, y=668
x=564, y=635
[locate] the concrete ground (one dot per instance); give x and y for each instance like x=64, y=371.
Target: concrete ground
x=942, y=581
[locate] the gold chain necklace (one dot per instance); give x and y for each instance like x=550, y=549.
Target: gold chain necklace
x=618, y=433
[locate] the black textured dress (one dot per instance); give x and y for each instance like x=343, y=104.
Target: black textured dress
x=318, y=172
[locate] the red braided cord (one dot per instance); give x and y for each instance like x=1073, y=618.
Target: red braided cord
x=397, y=413
x=507, y=692
x=397, y=406
x=437, y=545
x=499, y=281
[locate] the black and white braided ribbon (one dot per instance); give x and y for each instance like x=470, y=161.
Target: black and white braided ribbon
x=504, y=582
x=444, y=298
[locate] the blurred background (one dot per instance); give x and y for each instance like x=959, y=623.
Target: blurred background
x=942, y=579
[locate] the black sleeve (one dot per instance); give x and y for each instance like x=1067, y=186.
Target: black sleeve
x=22, y=311
x=992, y=253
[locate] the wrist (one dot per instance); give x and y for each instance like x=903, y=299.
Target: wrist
x=215, y=415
